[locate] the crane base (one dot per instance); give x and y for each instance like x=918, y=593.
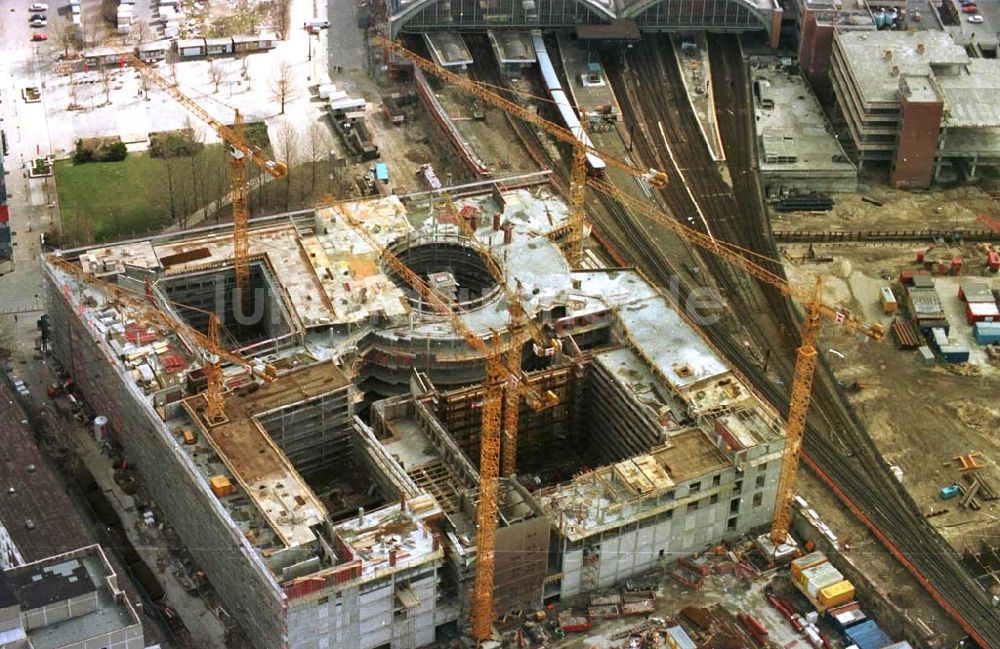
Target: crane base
x=782, y=553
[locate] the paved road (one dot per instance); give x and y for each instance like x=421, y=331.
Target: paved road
x=31, y=201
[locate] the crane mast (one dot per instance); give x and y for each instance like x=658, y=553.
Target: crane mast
x=213, y=353
x=573, y=244
x=241, y=153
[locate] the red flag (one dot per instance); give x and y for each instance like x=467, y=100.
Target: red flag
x=121, y=61
x=86, y=68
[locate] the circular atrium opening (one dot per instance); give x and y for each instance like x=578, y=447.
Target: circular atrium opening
x=454, y=269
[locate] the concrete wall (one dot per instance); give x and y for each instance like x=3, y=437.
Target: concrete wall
x=247, y=590
x=522, y=560
x=920, y=125
x=315, y=435
x=741, y=501
x=367, y=615
x=56, y=612
x=127, y=638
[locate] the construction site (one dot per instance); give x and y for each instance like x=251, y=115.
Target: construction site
x=665, y=357
x=367, y=531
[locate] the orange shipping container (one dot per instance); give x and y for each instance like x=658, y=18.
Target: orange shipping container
x=221, y=486
x=807, y=561
x=837, y=594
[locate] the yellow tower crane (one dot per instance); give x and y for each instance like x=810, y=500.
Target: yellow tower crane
x=500, y=375
x=573, y=246
x=522, y=328
x=146, y=312
x=240, y=152
x=806, y=355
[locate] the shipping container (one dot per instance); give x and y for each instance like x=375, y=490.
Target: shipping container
x=926, y=355
x=987, y=332
x=971, y=291
x=814, y=579
x=955, y=354
x=868, y=635
x=846, y=616
x=982, y=311
x=887, y=299
x=839, y=593
x=906, y=277
x=807, y=561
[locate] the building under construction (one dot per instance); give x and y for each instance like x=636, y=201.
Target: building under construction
x=335, y=506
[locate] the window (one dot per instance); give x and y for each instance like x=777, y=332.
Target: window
x=716, y=480
x=693, y=507
x=734, y=506
x=670, y=495
x=739, y=486
x=731, y=523
x=695, y=488
x=714, y=499
x=760, y=480
x=758, y=499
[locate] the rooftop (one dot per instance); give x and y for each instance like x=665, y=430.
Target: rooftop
x=38, y=515
x=83, y=576
x=448, y=49
x=259, y=466
x=610, y=495
x=793, y=129
x=513, y=47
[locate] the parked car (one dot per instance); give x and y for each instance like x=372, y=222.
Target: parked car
x=37, y=20
x=975, y=19
x=39, y=36
x=970, y=9
x=316, y=24
x=38, y=6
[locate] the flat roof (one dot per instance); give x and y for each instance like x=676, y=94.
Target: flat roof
x=392, y=538
x=612, y=495
x=579, y=60
x=72, y=575
x=794, y=132
x=266, y=476
x=972, y=97
x=38, y=493
x=52, y=583
x=872, y=70
x=448, y=49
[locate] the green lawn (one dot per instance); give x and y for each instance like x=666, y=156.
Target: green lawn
x=105, y=201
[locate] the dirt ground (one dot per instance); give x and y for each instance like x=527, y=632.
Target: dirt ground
x=922, y=417
x=901, y=210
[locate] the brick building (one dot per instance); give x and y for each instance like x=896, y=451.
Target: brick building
x=918, y=102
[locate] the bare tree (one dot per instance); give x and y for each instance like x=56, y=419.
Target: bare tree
x=144, y=84
x=319, y=151
x=245, y=69
x=282, y=85
x=141, y=31
x=288, y=142
x=198, y=169
x=106, y=81
x=74, y=102
x=64, y=35
x=215, y=74
x=281, y=16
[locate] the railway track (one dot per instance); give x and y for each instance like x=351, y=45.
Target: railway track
x=737, y=215
x=837, y=445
